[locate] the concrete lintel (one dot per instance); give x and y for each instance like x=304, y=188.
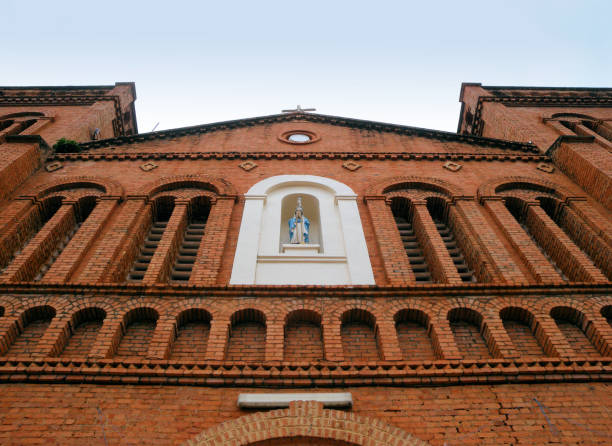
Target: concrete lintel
x=282, y=400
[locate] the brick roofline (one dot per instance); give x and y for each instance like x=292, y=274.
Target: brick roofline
x=328, y=119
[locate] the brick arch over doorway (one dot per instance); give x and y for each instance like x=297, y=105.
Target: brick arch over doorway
x=305, y=420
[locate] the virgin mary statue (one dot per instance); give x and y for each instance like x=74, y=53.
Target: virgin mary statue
x=299, y=225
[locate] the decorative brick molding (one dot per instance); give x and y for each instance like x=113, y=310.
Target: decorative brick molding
x=217, y=185
x=305, y=420
x=391, y=156
x=316, y=118
x=490, y=188
x=109, y=188
x=414, y=182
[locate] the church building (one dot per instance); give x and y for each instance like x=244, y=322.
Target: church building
x=306, y=279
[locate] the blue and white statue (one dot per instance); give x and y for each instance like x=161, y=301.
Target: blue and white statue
x=299, y=225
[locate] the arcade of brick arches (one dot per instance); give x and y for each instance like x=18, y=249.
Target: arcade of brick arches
x=444, y=289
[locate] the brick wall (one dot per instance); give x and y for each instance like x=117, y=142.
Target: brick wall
x=470, y=414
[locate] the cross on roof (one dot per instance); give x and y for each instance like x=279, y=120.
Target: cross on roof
x=299, y=109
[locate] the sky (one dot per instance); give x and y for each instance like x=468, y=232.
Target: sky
x=402, y=62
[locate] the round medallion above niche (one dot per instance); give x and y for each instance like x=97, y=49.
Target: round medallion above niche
x=298, y=137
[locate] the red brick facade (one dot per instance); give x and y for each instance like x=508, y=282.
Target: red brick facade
x=490, y=321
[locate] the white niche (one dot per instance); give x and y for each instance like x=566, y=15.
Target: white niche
x=337, y=253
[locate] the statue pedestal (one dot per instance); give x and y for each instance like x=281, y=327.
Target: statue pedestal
x=310, y=249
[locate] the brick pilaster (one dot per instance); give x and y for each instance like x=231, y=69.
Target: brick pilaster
x=600, y=224
x=217, y=340
x=332, y=341
x=489, y=250
x=537, y=264
x=395, y=261
x=210, y=252
x=572, y=261
x=587, y=239
x=161, y=263
x=443, y=340
x=115, y=251
x=17, y=222
x=163, y=338
x=28, y=262
x=387, y=340
x=68, y=261
x=439, y=260
x=275, y=340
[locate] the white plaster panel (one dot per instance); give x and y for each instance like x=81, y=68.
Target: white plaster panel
x=342, y=257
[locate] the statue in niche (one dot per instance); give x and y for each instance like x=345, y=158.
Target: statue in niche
x=299, y=225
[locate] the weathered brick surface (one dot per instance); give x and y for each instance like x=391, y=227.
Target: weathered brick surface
x=521, y=356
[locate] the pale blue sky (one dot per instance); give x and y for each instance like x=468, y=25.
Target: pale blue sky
x=402, y=62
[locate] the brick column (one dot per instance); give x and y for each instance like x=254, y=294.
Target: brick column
x=497, y=339
x=161, y=342
x=332, y=341
x=537, y=264
x=210, y=252
x=17, y=221
x=443, y=340
x=387, y=340
x=107, y=339
x=395, y=261
x=28, y=262
x=494, y=254
x=574, y=263
x=217, y=340
x=275, y=341
x=439, y=260
x=116, y=245
x=68, y=261
x=161, y=263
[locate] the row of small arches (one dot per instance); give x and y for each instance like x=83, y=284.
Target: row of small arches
x=303, y=337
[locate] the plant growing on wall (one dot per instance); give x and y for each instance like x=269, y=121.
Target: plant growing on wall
x=64, y=145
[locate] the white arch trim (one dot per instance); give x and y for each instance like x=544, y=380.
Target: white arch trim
x=267, y=185
x=347, y=262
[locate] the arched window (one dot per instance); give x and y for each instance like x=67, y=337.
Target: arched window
x=574, y=326
x=137, y=328
x=83, y=331
x=596, y=251
x=521, y=328
x=303, y=336
x=82, y=210
x=247, y=336
x=438, y=210
x=51, y=232
x=168, y=245
x=413, y=335
x=359, y=336
x=583, y=124
x=192, y=330
x=15, y=123
x=518, y=209
x=162, y=209
x=29, y=227
x=192, y=238
x=29, y=329
x=403, y=215
x=467, y=327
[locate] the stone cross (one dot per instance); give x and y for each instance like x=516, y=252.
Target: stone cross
x=299, y=109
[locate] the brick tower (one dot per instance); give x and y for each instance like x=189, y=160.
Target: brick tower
x=454, y=288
